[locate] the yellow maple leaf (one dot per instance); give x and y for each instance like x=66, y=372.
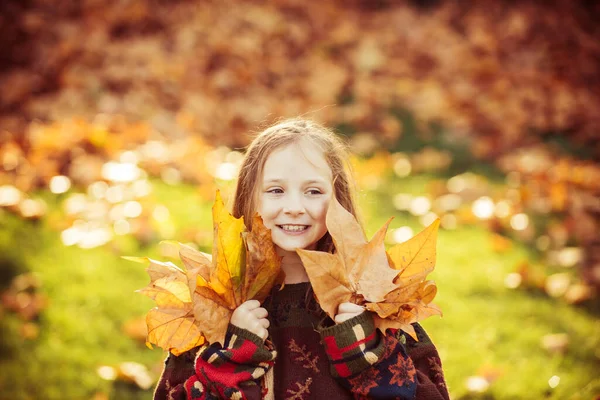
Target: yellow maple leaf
x=411, y=300
x=171, y=325
x=196, y=304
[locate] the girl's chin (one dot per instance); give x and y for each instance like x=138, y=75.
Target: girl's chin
x=289, y=243
x=291, y=248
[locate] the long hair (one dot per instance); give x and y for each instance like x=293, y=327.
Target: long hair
x=282, y=134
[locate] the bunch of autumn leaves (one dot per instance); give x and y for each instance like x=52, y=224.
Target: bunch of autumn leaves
x=194, y=306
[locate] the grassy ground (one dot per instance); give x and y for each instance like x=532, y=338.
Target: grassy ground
x=486, y=328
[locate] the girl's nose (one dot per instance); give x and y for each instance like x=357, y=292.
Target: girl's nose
x=294, y=206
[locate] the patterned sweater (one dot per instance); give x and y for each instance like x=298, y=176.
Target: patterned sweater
x=314, y=359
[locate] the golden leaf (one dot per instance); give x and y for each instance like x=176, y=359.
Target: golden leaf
x=228, y=254
x=171, y=324
x=195, y=305
x=411, y=300
x=416, y=257
x=262, y=262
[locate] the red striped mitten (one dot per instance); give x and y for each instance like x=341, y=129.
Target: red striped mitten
x=230, y=372
x=368, y=363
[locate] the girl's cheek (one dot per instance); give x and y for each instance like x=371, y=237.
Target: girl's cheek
x=325, y=205
x=266, y=211
x=320, y=209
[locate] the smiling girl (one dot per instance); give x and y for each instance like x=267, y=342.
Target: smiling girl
x=289, y=175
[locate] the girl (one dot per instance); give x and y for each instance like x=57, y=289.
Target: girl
x=289, y=175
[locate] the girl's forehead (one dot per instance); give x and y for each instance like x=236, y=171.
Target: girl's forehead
x=302, y=156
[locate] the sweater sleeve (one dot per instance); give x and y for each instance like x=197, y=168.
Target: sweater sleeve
x=377, y=366
x=176, y=371
x=431, y=383
x=216, y=372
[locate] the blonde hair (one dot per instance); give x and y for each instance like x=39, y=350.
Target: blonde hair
x=282, y=134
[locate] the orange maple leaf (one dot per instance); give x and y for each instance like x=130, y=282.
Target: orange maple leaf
x=391, y=284
x=358, y=269
x=195, y=305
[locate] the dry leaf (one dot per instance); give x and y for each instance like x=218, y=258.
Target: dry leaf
x=171, y=325
x=263, y=266
x=404, y=306
x=357, y=272
x=360, y=272
x=411, y=300
x=196, y=304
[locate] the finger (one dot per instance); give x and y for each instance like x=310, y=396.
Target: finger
x=349, y=308
x=260, y=313
x=265, y=323
x=346, y=307
x=251, y=304
x=263, y=334
x=341, y=318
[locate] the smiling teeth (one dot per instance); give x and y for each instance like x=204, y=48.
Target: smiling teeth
x=293, y=228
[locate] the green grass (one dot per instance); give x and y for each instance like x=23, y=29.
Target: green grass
x=486, y=324
x=91, y=294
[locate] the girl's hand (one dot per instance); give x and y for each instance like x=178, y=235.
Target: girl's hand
x=252, y=317
x=347, y=311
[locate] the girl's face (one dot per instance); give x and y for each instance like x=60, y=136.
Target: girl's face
x=295, y=190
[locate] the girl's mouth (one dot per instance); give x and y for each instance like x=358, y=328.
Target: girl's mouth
x=293, y=228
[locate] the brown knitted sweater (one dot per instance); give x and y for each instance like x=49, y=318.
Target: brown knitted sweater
x=319, y=360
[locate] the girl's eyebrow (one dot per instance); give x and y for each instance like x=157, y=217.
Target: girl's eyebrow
x=273, y=180
x=307, y=182
x=318, y=180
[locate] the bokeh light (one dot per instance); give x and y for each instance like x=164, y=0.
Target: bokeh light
x=519, y=222
x=402, y=234
x=120, y=172
x=402, y=167
x=60, y=184
x=420, y=205
x=9, y=195
x=483, y=207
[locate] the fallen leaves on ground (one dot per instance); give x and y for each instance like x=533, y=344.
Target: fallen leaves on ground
x=65, y=113
x=24, y=298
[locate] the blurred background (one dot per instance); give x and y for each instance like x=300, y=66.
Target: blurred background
x=119, y=119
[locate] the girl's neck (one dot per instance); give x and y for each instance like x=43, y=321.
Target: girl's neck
x=292, y=265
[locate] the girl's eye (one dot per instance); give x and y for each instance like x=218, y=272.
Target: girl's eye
x=275, y=191
x=314, y=191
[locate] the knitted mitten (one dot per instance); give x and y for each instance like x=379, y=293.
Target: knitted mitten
x=224, y=372
x=369, y=364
